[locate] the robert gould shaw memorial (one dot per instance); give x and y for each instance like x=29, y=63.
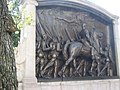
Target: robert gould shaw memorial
x=73, y=41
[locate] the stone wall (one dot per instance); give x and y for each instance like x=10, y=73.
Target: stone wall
x=25, y=58
x=82, y=85
x=110, y=84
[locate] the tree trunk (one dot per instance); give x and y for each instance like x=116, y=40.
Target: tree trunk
x=8, y=79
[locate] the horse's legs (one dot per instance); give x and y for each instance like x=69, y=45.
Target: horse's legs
x=79, y=67
x=74, y=64
x=71, y=70
x=66, y=64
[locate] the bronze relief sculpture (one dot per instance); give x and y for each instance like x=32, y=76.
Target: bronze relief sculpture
x=72, y=43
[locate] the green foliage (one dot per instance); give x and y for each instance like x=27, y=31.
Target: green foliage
x=13, y=6
x=28, y=20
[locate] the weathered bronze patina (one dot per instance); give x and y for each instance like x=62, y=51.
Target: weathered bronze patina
x=73, y=42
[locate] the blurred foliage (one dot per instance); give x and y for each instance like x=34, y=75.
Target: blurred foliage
x=13, y=6
x=16, y=13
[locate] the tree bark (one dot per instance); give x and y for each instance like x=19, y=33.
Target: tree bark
x=8, y=79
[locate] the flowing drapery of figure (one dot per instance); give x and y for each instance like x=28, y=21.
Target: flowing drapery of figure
x=8, y=79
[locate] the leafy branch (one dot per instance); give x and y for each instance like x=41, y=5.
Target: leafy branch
x=16, y=13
